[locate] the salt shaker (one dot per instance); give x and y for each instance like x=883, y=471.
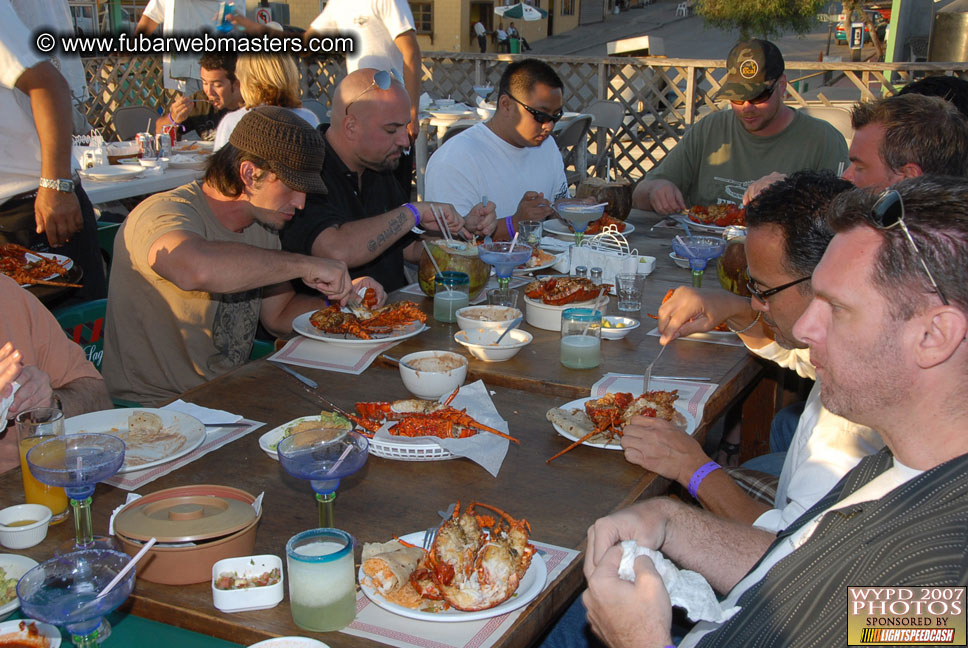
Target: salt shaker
x=596, y=276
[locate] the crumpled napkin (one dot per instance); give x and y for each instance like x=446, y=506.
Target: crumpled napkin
x=6, y=403
x=687, y=589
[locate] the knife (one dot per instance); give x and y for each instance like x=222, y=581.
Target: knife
x=311, y=386
x=228, y=425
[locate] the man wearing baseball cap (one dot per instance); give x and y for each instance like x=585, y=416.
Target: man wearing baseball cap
x=726, y=151
x=196, y=269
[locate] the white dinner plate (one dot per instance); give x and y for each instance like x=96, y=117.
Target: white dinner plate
x=531, y=585
x=704, y=227
x=180, y=435
x=520, y=271
x=616, y=442
x=65, y=261
x=15, y=566
x=112, y=172
x=556, y=228
x=452, y=114
x=51, y=633
x=270, y=440
x=187, y=161
x=303, y=326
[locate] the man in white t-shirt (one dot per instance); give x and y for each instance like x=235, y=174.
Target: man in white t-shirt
x=481, y=32
x=886, y=330
x=512, y=160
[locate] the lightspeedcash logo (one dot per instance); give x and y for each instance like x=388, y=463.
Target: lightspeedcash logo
x=906, y=616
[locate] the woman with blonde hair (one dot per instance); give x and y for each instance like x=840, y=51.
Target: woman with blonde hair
x=265, y=80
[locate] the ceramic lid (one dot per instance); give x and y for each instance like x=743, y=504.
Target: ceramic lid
x=183, y=517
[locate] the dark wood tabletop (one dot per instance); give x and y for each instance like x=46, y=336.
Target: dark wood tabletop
x=388, y=497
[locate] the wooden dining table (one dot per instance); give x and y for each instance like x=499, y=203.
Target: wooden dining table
x=389, y=497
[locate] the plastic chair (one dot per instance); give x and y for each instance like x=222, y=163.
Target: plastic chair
x=837, y=117
x=84, y=323
x=453, y=130
x=607, y=118
x=573, y=148
x=131, y=120
x=318, y=109
x=682, y=9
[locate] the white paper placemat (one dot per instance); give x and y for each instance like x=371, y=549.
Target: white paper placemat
x=375, y=623
x=214, y=438
x=315, y=354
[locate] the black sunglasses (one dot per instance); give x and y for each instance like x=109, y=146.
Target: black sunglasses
x=888, y=212
x=761, y=98
x=539, y=115
x=763, y=295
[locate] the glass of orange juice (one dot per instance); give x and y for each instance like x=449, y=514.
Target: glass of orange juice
x=33, y=426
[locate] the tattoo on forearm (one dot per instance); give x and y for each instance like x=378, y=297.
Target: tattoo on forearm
x=392, y=232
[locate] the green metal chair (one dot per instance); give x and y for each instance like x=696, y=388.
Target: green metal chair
x=84, y=323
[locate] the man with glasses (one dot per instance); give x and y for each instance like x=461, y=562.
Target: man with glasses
x=365, y=219
x=786, y=238
x=726, y=151
x=511, y=159
x=892, y=355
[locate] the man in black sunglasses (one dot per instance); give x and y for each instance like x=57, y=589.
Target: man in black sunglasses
x=728, y=150
x=787, y=235
x=512, y=159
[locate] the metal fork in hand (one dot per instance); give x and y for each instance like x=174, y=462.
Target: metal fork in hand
x=648, y=370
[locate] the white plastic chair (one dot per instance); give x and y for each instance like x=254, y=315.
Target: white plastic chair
x=682, y=9
x=318, y=109
x=837, y=117
x=574, y=149
x=131, y=120
x=607, y=119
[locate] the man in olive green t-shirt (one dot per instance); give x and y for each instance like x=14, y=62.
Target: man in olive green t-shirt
x=728, y=150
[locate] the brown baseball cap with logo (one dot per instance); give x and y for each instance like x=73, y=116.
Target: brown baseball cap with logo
x=291, y=148
x=752, y=67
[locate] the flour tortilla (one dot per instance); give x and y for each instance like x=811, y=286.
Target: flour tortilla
x=389, y=564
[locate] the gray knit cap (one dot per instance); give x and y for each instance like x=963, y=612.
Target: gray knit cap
x=292, y=148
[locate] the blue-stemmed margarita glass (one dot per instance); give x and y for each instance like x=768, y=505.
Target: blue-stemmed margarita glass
x=76, y=463
x=699, y=250
x=63, y=591
x=323, y=456
x=504, y=259
x=579, y=213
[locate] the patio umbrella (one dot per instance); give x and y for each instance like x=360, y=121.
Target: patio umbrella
x=521, y=11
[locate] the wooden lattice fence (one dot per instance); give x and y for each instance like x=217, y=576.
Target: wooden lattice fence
x=662, y=97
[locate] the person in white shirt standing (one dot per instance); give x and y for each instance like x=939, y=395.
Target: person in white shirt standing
x=512, y=159
x=481, y=32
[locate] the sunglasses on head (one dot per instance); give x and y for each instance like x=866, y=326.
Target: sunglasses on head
x=381, y=80
x=763, y=295
x=539, y=115
x=761, y=98
x=887, y=213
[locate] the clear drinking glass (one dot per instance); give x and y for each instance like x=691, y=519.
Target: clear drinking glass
x=530, y=232
x=322, y=582
x=630, y=288
x=33, y=426
x=451, y=293
x=581, y=338
x=497, y=297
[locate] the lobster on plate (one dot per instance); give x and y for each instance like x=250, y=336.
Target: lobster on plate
x=419, y=417
x=364, y=323
x=477, y=560
x=558, y=291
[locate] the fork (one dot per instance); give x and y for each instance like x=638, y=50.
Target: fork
x=431, y=534
x=648, y=370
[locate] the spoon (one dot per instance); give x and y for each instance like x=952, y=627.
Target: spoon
x=513, y=324
x=400, y=362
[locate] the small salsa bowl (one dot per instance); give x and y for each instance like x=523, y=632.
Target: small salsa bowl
x=682, y=262
x=24, y=535
x=480, y=343
x=250, y=598
x=615, y=327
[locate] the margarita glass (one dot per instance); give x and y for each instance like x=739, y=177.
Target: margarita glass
x=323, y=456
x=505, y=259
x=76, y=463
x=699, y=250
x=579, y=214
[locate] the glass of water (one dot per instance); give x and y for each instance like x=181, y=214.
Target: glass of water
x=530, y=231
x=630, y=288
x=322, y=582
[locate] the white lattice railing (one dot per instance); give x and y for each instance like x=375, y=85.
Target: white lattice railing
x=661, y=96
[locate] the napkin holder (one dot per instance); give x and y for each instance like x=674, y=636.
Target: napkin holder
x=609, y=251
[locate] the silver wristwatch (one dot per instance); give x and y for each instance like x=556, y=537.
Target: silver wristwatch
x=60, y=184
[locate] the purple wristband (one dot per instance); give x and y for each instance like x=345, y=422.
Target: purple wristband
x=510, y=226
x=701, y=473
x=416, y=214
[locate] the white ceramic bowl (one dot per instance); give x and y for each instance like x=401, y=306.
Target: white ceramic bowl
x=484, y=112
x=445, y=103
x=28, y=535
x=682, y=262
x=480, y=342
x=154, y=163
x=486, y=317
x=14, y=566
x=290, y=642
x=250, y=598
x=617, y=333
x=545, y=316
x=646, y=265
x=438, y=373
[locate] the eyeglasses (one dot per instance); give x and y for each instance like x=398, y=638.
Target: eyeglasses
x=381, y=79
x=888, y=212
x=539, y=115
x=761, y=98
x=763, y=295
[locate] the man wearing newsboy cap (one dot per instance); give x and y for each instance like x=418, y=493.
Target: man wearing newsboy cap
x=196, y=269
x=726, y=151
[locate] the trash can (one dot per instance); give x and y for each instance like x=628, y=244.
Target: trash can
x=515, y=45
